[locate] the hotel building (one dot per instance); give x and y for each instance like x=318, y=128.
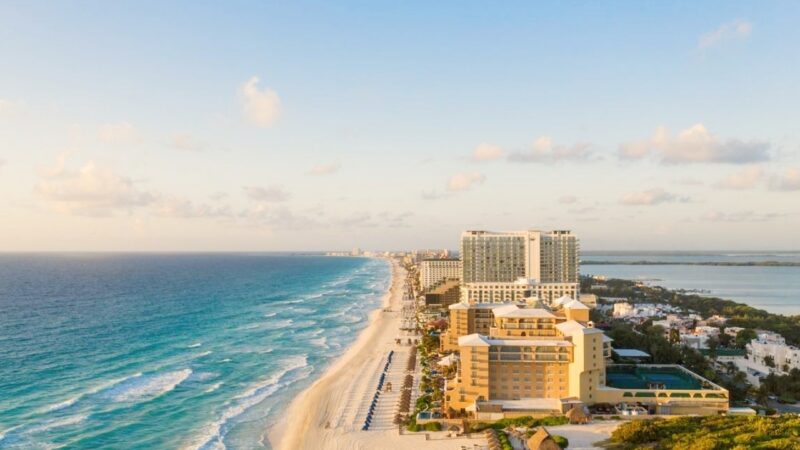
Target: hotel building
x=435, y=271
x=525, y=359
x=509, y=266
x=545, y=257
x=522, y=288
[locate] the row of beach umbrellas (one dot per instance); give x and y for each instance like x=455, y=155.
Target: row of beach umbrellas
x=374, y=404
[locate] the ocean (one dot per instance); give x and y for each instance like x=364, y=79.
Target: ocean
x=146, y=351
x=775, y=289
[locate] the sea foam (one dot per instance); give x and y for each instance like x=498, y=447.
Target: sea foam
x=213, y=434
x=147, y=387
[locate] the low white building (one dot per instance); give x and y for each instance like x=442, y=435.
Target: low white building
x=772, y=346
x=622, y=310
x=733, y=331
x=768, y=345
x=707, y=331
x=695, y=341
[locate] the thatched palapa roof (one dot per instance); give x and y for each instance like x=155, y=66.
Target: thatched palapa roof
x=576, y=415
x=541, y=440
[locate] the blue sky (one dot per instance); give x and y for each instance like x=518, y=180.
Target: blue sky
x=250, y=126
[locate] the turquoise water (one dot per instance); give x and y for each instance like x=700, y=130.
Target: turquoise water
x=169, y=351
x=775, y=289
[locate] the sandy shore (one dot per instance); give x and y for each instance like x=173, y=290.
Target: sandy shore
x=330, y=413
x=307, y=421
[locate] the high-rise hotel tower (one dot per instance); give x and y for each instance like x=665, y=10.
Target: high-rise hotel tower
x=541, y=256
x=510, y=266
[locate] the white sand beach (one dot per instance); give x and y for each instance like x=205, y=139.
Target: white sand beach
x=330, y=413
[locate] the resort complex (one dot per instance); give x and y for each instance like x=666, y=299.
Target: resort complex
x=526, y=345
x=507, y=343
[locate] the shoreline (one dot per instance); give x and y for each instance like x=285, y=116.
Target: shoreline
x=311, y=409
x=330, y=413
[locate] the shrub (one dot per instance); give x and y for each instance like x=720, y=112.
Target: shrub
x=505, y=444
x=636, y=432
x=433, y=426
x=561, y=441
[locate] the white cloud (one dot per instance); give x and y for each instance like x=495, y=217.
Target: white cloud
x=119, y=133
x=359, y=219
x=789, y=180
x=92, y=190
x=276, y=218
x=186, y=209
x=261, y=107
x=695, y=145
x=740, y=216
x=747, y=178
x=270, y=194
x=432, y=195
x=584, y=210
x=567, y=199
x=396, y=219
x=544, y=151
x=185, y=141
x=650, y=197
x=324, y=169
x=634, y=150
x=738, y=30
x=464, y=181
x=487, y=152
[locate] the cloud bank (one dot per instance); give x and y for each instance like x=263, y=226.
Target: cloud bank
x=695, y=145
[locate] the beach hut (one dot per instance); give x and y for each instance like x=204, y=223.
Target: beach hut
x=541, y=440
x=453, y=430
x=577, y=416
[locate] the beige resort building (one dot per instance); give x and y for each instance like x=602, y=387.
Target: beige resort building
x=526, y=359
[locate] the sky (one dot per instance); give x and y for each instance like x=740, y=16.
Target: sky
x=297, y=126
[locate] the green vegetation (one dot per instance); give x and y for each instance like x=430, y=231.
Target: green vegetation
x=433, y=426
x=560, y=440
x=651, y=340
x=664, y=351
x=785, y=387
x=693, y=263
x=524, y=421
x=709, y=433
x=739, y=314
x=412, y=424
x=505, y=444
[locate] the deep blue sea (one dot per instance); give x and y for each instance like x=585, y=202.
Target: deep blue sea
x=169, y=351
x=775, y=289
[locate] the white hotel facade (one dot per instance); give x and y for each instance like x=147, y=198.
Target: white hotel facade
x=434, y=271
x=508, y=266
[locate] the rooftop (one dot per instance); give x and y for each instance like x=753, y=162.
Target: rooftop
x=630, y=353
x=571, y=327
x=513, y=310
x=574, y=304
x=477, y=340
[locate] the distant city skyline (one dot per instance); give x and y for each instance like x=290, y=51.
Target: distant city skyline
x=317, y=126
